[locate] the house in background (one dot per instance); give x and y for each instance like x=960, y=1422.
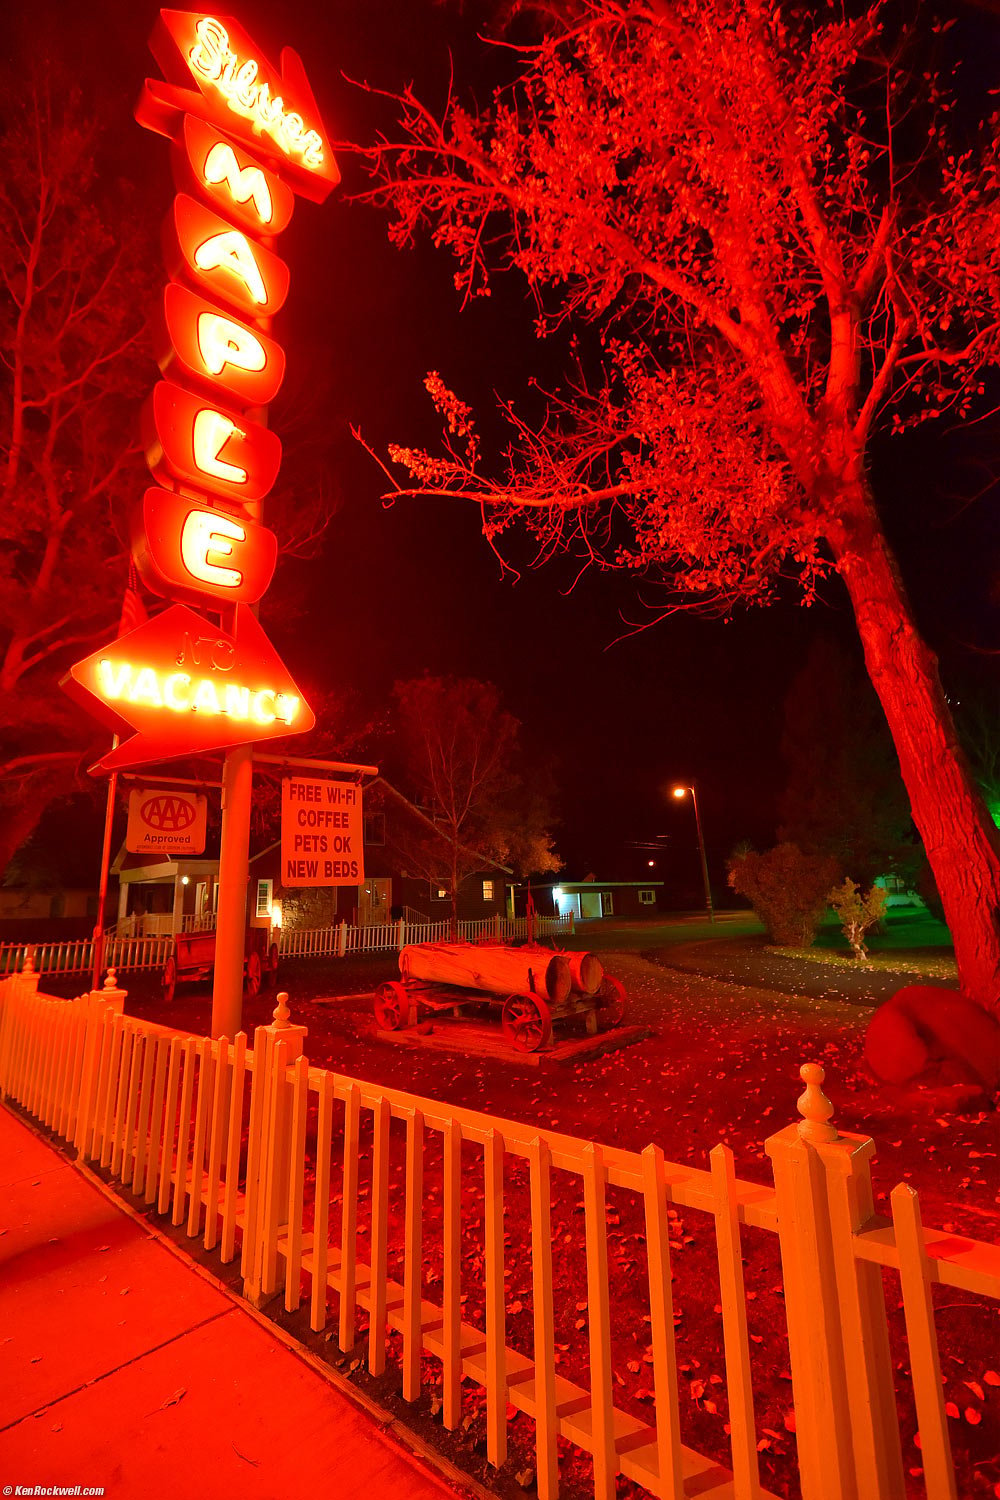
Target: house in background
x=158, y=895
x=590, y=899
x=39, y=914
x=391, y=888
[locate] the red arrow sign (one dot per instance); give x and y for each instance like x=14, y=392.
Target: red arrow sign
x=186, y=687
x=240, y=92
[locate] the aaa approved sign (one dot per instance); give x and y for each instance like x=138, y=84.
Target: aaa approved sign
x=163, y=820
x=322, y=832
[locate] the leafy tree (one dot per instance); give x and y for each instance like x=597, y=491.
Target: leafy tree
x=784, y=245
x=859, y=911
x=787, y=889
x=460, y=761
x=843, y=794
x=71, y=323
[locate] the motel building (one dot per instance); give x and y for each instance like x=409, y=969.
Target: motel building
x=592, y=900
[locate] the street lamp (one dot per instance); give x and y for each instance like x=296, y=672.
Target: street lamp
x=682, y=791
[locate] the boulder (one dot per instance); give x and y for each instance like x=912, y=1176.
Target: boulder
x=927, y=1030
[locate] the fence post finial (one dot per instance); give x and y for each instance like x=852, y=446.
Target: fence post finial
x=111, y=979
x=281, y=1012
x=814, y=1107
x=28, y=966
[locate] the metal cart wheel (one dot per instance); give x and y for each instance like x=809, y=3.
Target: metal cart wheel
x=611, y=1002
x=168, y=979
x=391, y=1005
x=254, y=974
x=527, y=1022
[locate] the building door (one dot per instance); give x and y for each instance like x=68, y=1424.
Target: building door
x=590, y=905
x=373, y=902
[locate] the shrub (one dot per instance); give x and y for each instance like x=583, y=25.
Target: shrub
x=858, y=912
x=786, y=888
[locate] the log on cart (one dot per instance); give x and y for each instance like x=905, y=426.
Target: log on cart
x=532, y=987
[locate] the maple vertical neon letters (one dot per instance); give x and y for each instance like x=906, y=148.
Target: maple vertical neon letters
x=211, y=349
x=224, y=261
x=232, y=180
x=186, y=550
x=205, y=445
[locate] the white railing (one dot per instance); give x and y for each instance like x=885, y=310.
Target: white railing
x=139, y=924
x=76, y=956
x=339, y=939
x=205, y=922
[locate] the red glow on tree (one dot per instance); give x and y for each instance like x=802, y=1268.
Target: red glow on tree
x=766, y=218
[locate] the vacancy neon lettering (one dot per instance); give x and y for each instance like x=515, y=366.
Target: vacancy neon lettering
x=213, y=59
x=245, y=184
x=231, y=252
x=211, y=433
x=206, y=536
x=148, y=687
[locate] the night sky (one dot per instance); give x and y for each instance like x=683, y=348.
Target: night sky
x=399, y=590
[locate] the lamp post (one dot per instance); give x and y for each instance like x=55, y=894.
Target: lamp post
x=682, y=791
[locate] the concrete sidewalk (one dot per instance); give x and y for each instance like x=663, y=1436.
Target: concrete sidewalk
x=121, y=1367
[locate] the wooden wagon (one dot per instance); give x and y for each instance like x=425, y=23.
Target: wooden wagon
x=193, y=958
x=532, y=987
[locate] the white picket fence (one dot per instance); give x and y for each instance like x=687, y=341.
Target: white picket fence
x=339, y=939
x=362, y=1199
x=76, y=956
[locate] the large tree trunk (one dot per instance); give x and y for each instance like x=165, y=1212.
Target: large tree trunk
x=958, y=833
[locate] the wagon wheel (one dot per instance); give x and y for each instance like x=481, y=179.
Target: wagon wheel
x=168, y=979
x=611, y=1002
x=254, y=974
x=391, y=1005
x=526, y=1021
x=272, y=965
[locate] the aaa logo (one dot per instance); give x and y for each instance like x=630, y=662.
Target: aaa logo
x=170, y=814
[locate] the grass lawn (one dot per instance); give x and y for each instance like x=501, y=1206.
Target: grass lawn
x=913, y=942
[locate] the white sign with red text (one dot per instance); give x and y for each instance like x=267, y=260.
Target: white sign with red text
x=322, y=832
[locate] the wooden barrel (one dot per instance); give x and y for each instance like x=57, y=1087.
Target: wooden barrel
x=500, y=971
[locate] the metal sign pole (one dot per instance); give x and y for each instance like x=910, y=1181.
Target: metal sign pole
x=97, y=949
x=234, y=876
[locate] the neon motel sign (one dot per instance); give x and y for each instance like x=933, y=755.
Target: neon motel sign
x=185, y=686
x=246, y=139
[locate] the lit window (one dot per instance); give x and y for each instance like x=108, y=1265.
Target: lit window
x=487, y=890
x=647, y=898
x=264, y=889
x=439, y=892
x=607, y=904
